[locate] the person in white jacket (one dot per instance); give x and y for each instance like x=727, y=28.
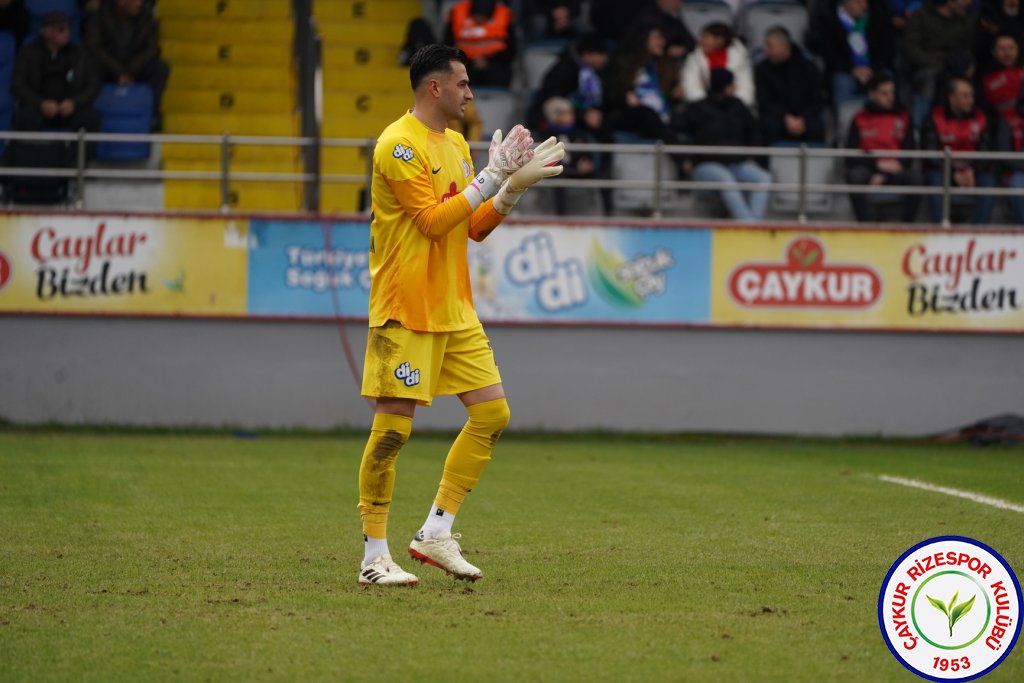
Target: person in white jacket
x=719, y=48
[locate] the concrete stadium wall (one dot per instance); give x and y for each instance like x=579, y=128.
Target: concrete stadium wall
x=252, y=374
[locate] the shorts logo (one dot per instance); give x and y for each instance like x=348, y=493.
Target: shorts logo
x=405, y=373
x=949, y=609
x=402, y=152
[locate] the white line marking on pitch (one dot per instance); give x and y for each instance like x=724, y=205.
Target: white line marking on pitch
x=976, y=497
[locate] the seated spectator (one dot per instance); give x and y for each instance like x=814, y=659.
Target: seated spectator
x=641, y=86
x=939, y=28
x=722, y=119
x=959, y=64
x=54, y=81
x=667, y=16
x=124, y=40
x=789, y=100
x=1003, y=86
x=483, y=30
x=552, y=19
x=997, y=17
x=578, y=75
x=961, y=126
x=560, y=121
x=14, y=19
x=881, y=126
x=856, y=41
x=718, y=49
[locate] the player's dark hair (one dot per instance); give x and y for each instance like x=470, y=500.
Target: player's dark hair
x=432, y=59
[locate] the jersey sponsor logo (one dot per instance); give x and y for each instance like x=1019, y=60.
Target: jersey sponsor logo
x=409, y=376
x=402, y=152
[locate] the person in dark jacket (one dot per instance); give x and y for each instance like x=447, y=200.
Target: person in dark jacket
x=667, y=16
x=14, y=19
x=881, y=126
x=940, y=28
x=962, y=126
x=856, y=41
x=789, y=98
x=54, y=82
x=125, y=40
x=997, y=17
x=579, y=76
x=721, y=119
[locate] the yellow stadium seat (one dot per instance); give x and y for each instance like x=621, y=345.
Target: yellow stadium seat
x=396, y=11
x=277, y=125
x=225, y=9
x=371, y=103
x=226, y=51
x=344, y=160
x=191, y=76
x=244, y=196
x=291, y=165
x=340, y=197
x=361, y=32
x=356, y=126
x=344, y=55
x=246, y=31
x=229, y=101
x=209, y=155
x=390, y=79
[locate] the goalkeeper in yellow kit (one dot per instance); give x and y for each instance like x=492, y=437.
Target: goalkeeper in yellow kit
x=425, y=339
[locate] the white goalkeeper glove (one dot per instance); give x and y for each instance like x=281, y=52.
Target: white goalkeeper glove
x=504, y=157
x=542, y=165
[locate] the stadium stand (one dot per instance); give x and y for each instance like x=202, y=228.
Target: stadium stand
x=697, y=15
x=38, y=8
x=232, y=73
x=365, y=88
x=124, y=109
x=758, y=17
x=7, y=51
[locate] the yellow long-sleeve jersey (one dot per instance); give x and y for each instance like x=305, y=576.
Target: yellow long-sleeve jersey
x=420, y=226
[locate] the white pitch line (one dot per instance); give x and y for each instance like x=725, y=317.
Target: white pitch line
x=976, y=497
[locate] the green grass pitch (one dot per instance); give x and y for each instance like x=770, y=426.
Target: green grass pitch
x=132, y=557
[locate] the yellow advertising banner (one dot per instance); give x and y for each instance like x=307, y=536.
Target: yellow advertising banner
x=122, y=265
x=871, y=279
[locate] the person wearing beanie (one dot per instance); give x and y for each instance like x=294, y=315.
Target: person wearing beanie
x=723, y=120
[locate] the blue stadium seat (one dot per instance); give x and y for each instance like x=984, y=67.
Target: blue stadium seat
x=124, y=109
x=37, y=8
x=7, y=50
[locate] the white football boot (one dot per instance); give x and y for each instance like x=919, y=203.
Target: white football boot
x=444, y=552
x=384, y=572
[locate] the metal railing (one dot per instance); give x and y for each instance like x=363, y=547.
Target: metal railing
x=314, y=179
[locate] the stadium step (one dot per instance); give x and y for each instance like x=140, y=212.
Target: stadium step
x=192, y=76
x=211, y=101
x=356, y=126
x=277, y=125
x=341, y=56
x=225, y=9
x=244, y=31
x=251, y=165
x=245, y=195
x=209, y=155
x=392, y=78
x=396, y=11
x=226, y=52
x=344, y=160
x=363, y=32
x=340, y=197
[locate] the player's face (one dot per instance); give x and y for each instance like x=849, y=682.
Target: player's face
x=455, y=92
x=1006, y=51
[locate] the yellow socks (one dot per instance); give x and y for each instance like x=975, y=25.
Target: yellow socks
x=377, y=471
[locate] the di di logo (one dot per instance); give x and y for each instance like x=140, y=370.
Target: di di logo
x=949, y=609
x=409, y=376
x=558, y=285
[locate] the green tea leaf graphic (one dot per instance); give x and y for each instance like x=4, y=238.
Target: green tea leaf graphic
x=810, y=257
x=960, y=610
x=938, y=604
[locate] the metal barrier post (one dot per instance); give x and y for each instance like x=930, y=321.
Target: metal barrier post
x=225, y=172
x=947, y=180
x=80, y=170
x=367, y=199
x=801, y=202
x=659, y=151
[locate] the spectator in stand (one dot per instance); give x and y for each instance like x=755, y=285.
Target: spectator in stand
x=721, y=119
x=718, y=49
x=959, y=64
x=484, y=30
x=1003, y=86
x=560, y=121
x=789, y=99
x=666, y=15
x=939, y=28
x=124, y=38
x=14, y=19
x=881, y=126
x=997, y=17
x=856, y=41
x=642, y=86
x=552, y=19
x=611, y=18
x=961, y=126
x=899, y=14
x=579, y=76
x=54, y=81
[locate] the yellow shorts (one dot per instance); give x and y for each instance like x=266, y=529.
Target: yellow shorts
x=401, y=363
